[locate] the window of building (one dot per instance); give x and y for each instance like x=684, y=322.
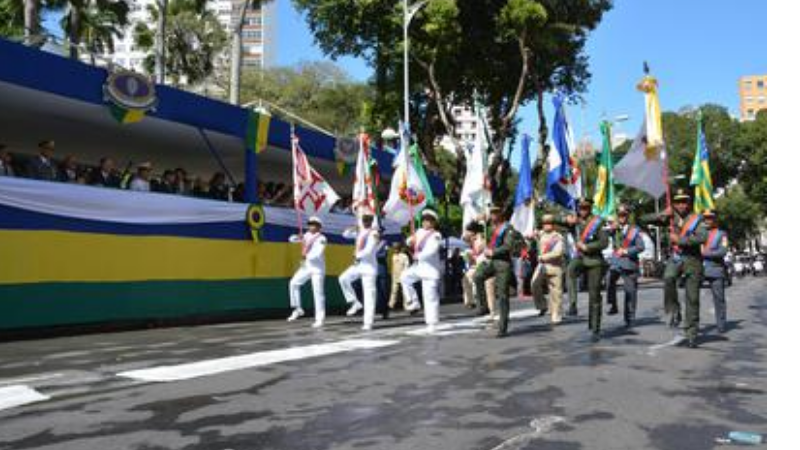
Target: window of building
x=760, y=84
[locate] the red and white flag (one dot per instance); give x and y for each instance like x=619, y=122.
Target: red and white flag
x=312, y=194
x=364, y=182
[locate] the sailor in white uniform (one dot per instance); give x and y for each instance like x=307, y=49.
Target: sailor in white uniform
x=312, y=267
x=365, y=267
x=425, y=245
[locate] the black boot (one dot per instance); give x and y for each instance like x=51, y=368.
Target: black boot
x=613, y=309
x=573, y=310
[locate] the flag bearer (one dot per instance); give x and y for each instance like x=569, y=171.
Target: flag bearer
x=498, y=266
x=628, y=243
x=312, y=267
x=425, y=246
x=714, y=251
x=365, y=267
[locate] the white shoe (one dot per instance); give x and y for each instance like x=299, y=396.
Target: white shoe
x=317, y=324
x=298, y=312
x=415, y=306
x=367, y=328
x=354, y=309
x=431, y=329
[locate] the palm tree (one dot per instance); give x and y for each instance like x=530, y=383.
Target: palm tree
x=32, y=21
x=94, y=23
x=12, y=18
x=193, y=39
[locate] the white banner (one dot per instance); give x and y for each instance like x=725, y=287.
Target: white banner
x=144, y=208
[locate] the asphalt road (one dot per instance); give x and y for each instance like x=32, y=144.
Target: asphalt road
x=273, y=385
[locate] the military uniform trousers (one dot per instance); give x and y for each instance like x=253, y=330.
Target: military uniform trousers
x=368, y=287
x=630, y=284
x=720, y=306
x=692, y=269
x=430, y=292
x=502, y=272
x=468, y=286
x=300, y=278
x=550, y=275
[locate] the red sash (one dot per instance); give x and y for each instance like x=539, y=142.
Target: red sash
x=714, y=238
x=630, y=237
x=549, y=246
x=308, y=244
x=498, y=232
x=591, y=227
x=690, y=225
x=419, y=245
x=362, y=240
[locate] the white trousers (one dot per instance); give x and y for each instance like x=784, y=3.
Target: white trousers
x=430, y=293
x=346, y=280
x=300, y=278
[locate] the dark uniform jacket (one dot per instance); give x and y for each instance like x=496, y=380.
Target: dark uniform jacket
x=714, y=250
x=595, y=238
x=501, y=241
x=630, y=238
x=691, y=230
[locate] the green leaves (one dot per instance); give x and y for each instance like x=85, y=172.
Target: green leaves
x=518, y=17
x=194, y=39
x=319, y=92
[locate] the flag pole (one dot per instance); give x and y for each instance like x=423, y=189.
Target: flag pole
x=295, y=144
x=406, y=137
x=374, y=179
x=664, y=167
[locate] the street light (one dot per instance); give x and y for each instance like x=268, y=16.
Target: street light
x=408, y=14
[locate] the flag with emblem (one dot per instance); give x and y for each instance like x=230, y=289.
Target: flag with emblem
x=642, y=167
x=475, y=193
x=701, y=173
x=408, y=195
x=564, y=184
x=363, y=182
x=605, y=201
x=312, y=194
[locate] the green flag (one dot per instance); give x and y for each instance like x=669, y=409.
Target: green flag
x=605, y=202
x=701, y=173
x=419, y=167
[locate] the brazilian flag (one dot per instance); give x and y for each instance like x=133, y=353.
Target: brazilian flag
x=605, y=201
x=701, y=173
x=257, y=131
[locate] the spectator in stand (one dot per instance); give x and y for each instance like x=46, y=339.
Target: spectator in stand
x=105, y=175
x=217, y=189
x=200, y=188
x=43, y=167
x=238, y=193
x=68, y=170
x=167, y=183
x=6, y=163
x=182, y=184
x=261, y=192
x=141, y=181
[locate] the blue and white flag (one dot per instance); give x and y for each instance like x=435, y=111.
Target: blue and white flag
x=523, y=218
x=563, y=176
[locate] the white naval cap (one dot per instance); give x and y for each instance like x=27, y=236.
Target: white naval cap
x=315, y=219
x=430, y=213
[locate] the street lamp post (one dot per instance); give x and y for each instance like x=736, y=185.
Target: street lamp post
x=408, y=14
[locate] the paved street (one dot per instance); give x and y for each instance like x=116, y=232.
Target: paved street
x=273, y=385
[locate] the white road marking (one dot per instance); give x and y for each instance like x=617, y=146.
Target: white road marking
x=540, y=427
x=221, y=365
x=474, y=325
x=9, y=381
x=671, y=343
x=18, y=395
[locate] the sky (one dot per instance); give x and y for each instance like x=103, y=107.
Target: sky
x=697, y=49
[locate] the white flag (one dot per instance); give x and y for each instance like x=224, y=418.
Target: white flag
x=312, y=194
x=407, y=195
x=475, y=196
x=642, y=167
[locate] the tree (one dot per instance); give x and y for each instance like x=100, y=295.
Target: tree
x=319, y=92
x=194, y=39
x=502, y=53
x=20, y=18
x=739, y=216
x=738, y=157
x=12, y=18
x=93, y=23
x=32, y=21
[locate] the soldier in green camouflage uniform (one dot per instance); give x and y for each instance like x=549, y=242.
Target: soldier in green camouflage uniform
x=498, y=250
x=687, y=235
x=590, y=240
